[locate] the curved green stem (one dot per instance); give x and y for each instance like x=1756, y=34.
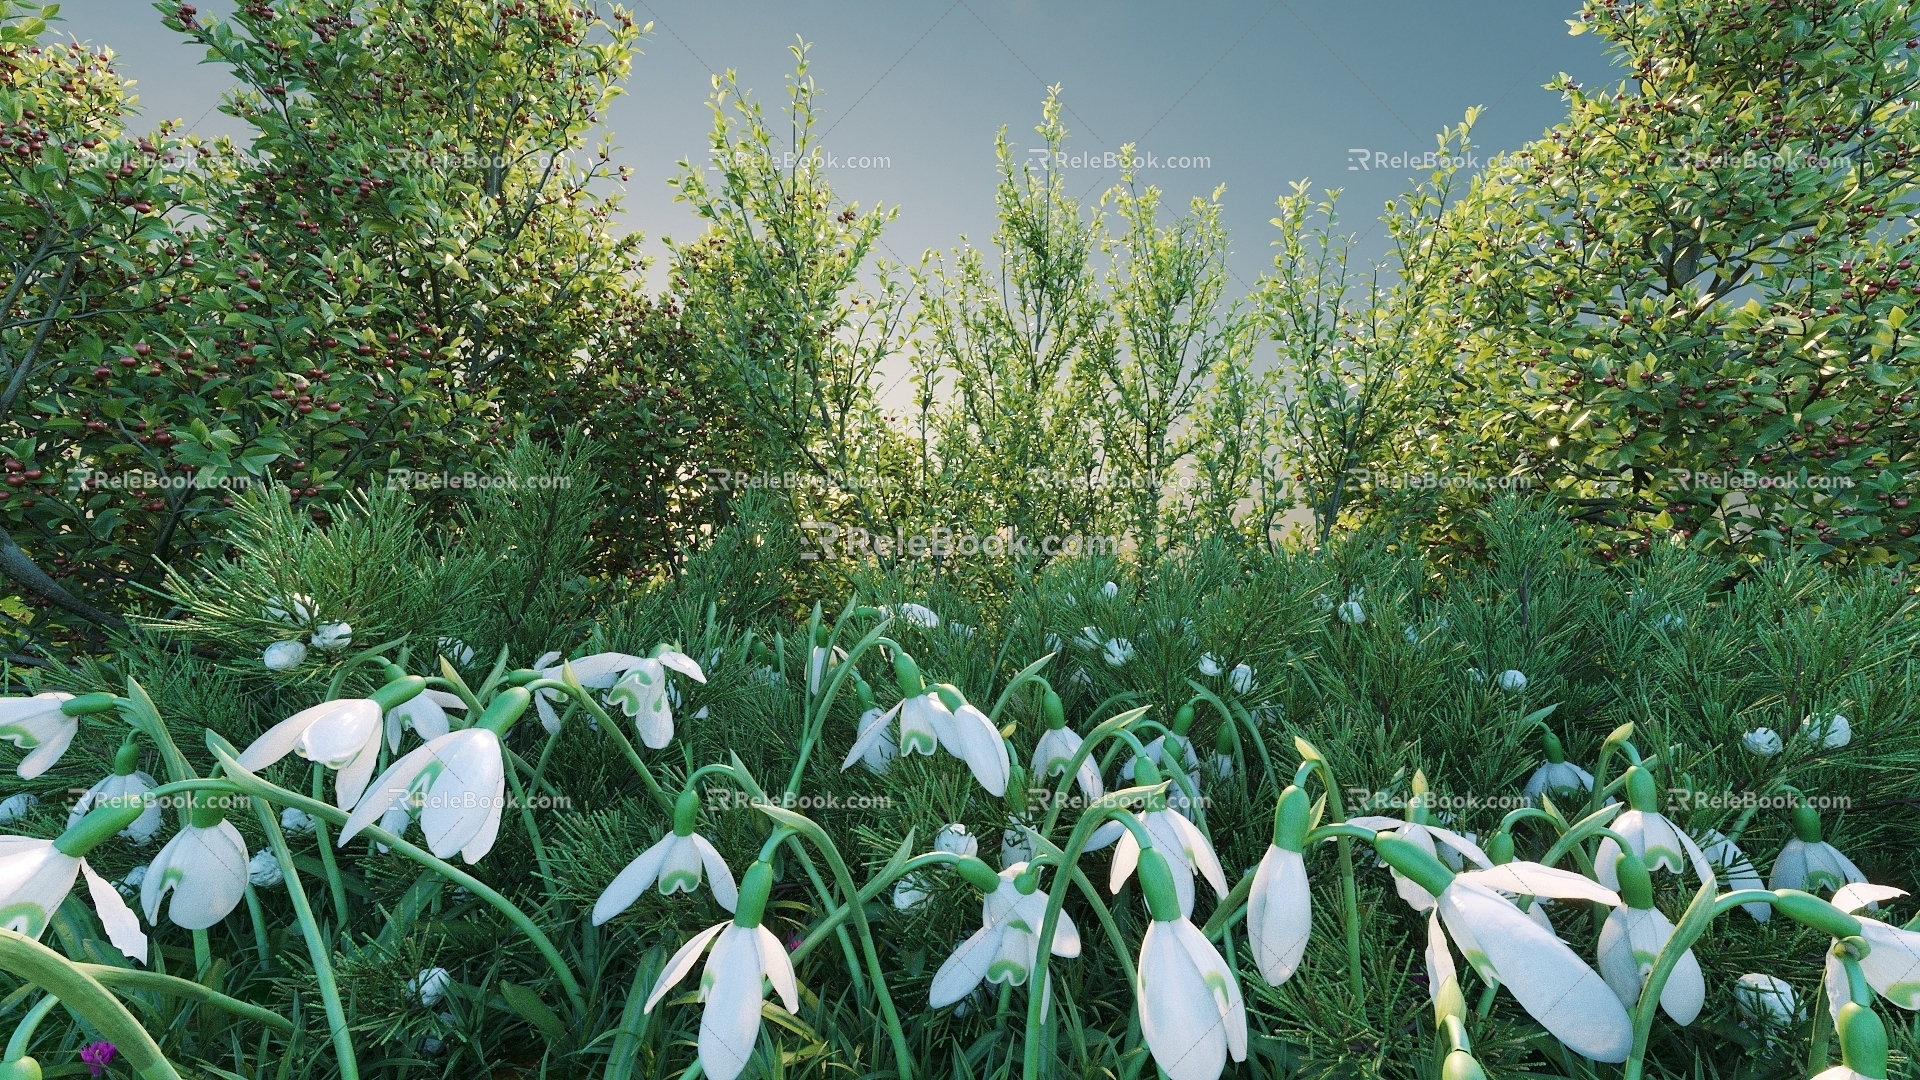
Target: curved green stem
x=22, y=1037
x=318, y=948
x=806, y=827
x=1094, y=738
x=607, y=724
x=81, y=992
x=133, y=978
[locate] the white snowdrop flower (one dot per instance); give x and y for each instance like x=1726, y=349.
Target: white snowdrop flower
x=395, y=819
x=1352, y=613
x=960, y=630
x=1241, y=679
x=1477, y=675
x=455, y=650
x=124, y=782
x=1761, y=742
x=1670, y=622
x=40, y=725
x=1110, y=590
x=1054, y=644
x=1016, y=847
x=295, y=609
x=296, y=822
x=1833, y=733
x=15, y=807
x=678, y=862
x=332, y=636
x=878, y=756
x=263, y=870
x=1323, y=602
x=129, y=886
x=920, y=615
x=204, y=868
x=1081, y=678
x=1090, y=638
x=429, y=987
x=746, y=957
x=910, y=892
x=1808, y=863
x=1412, y=635
x=1512, y=681
x=1209, y=665
x=284, y=655
x=1118, y=652
x=1765, y=998
x=956, y=840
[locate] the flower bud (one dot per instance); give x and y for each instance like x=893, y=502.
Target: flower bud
x=1051, y=708
x=906, y=674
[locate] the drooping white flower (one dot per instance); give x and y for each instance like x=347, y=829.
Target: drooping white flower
x=131, y=784
x=936, y=717
x=1808, y=862
x=1511, y=681
x=598, y=671
x=455, y=650
x=1555, y=986
x=1192, y=1014
x=37, y=875
x=1171, y=833
x=1209, y=665
x=954, y=839
x=284, y=655
x=263, y=870
x=744, y=953
x=15, y=807
x=343, y=735
x=1631, y=940
x=675, y=862
x=1427, y=838
x=1766, y=999
x=1761, y=742
x=1658, y=842
x=295, y=822
x=429, y=987
x=1732, y=866
x=1118, y=652
x=1351, y=612
x=1559, y=777
x=332, y=636
x=1007, y=946
x=910, y=892
x=1280, y=905
x=1241, y=679
x=1892, y=961
x=39, y=726
x=1832, y=733
x=459, y=781
x=643, y=694
x=1058, y=745
x=1110, y=590
x=1016, y=845
x=918, y=614
x=426, y=715
x=129, y=886
x=204, y=867
x=294, y=610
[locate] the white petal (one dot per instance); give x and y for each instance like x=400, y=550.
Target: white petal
x=870, y=735
x=601, y=670
x=963, y=970
x=1851, y=898
x=1200, y=854
x=1221, y=980
x=1179, y=1018
x=730, y=1023
x=123, y=929
x=466, y=794
x=1533, y=879
x=1439, y=958
x=685, y=665
x=35, y=879
x=390, y=787
x=1279, y=914
x=1555, y=987
x=207, y=873
x=631, y=881
x=969, y=735
x=680, y=963
x=1893, y=965
x=778, y=968
x=719, y=875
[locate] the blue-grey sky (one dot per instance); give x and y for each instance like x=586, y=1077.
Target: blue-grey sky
x=1252, y=95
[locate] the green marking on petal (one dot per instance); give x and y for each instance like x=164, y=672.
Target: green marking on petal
x=1007, y=971
x=678, y=881
x=23, y=918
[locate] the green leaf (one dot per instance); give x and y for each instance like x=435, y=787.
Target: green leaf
x=528, y=1006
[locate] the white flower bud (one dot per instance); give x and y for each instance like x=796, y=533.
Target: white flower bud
x=331, y=636
x=263, y=870
x=1761, y=742
x=1512, y=681
x=284, y=655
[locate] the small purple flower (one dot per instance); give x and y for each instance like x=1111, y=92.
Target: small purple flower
x=793, y=940
x=97, y=1057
